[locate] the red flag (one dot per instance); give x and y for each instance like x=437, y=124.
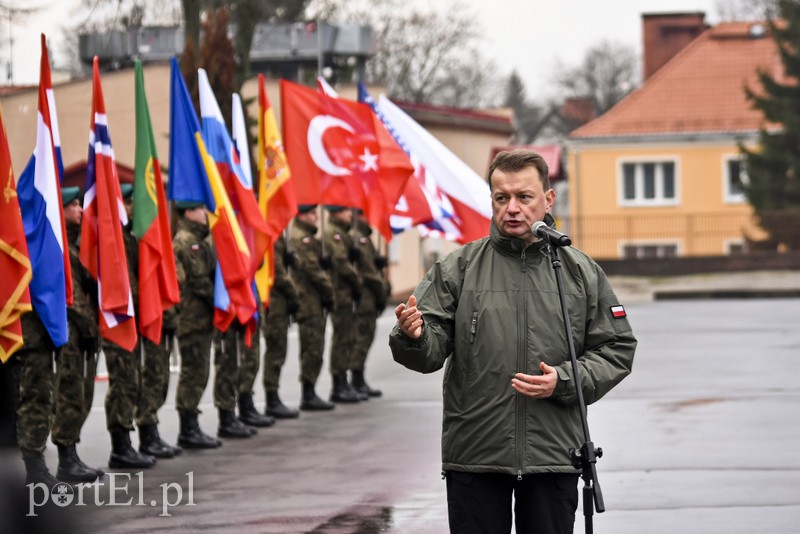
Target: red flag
x=102, y=245
x=338, y=155
x=158, y=281
x=15, y=264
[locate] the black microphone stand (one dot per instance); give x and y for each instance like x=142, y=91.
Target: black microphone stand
x=586, y=457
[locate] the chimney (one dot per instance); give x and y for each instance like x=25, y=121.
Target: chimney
x=666, y=34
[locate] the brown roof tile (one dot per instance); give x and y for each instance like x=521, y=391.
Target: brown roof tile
x=699, y=91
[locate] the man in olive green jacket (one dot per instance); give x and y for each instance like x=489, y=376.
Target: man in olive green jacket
x=491, y=312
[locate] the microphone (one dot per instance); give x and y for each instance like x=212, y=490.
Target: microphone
x=554, y=237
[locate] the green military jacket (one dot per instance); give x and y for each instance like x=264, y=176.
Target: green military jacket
x=84, y=309
x=491, y=309
x=346, y=279
x=283, y=289
x=196, y=260
x=312, y=282
x=373, y=298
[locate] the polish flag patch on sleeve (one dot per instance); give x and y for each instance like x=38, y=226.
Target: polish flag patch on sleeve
x=618, y=312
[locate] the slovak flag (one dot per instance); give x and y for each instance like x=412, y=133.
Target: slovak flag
x=102, y=245
x=239, y=187
x=341, y=154
x=466, y=191
x=39, y=195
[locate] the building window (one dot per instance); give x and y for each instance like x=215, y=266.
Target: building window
x=638, y=251
x=648, y=183
x=734, y=175
x=735, y=247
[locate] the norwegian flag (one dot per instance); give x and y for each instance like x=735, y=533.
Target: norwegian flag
x=102, y=245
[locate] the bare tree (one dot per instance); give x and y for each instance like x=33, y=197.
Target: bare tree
x=423, y=55
x=11, y=14
x=606, y=75
x=729, y=10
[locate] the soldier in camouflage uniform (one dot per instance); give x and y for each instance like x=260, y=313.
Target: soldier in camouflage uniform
x=195, y=255
x=35, y=409
x=155, y=386
x=283, y=305
x=76, y=366
x=123, y=367
x=228, y=347
x=347, y=295
x=249, y=360
x=373, y=301
x=316, y=300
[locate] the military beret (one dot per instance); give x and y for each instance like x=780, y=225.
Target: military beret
x=334, y=209
x=69, y=194
x=126, y=189
x=183, y=205
x=305, y=208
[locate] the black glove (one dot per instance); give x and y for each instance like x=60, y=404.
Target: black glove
x=381, y=262
x=354, y=254
x=328, y=304
x=290, y=259
x=88, y=345
x=355, y=292
x=292, y=306
x=326, y=263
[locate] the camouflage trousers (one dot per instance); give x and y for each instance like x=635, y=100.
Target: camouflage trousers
x=35, y=409
x=229, y=354
x=249, y=360
x=195, y=351
x=155, y=381
x=124, y=382
x=343, y=339
x=365, y=335
x=276, y=329
x=312, y=345
x=73, y=391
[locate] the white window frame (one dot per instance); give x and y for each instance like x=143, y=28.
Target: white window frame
x=730, y=243
x=622, y=243
x=640, y=201
x=728, y=197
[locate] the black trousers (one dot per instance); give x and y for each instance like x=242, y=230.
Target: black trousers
x=480, y=503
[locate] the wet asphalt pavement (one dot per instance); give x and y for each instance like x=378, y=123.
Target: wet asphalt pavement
x=701, y=438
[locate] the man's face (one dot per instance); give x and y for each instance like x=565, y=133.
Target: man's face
x=73, y=212
x=346, y=215
x=519, y=200
x=309, y=217
x=129, y=207
x=197, y=215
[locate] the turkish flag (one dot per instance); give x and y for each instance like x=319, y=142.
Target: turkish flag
x=341, y=154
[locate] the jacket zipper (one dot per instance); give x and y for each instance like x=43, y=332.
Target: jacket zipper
x=521, y=358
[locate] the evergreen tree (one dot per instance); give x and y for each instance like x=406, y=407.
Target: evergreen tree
x=773, y=167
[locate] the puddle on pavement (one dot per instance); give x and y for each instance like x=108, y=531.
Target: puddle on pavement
x=360, y=520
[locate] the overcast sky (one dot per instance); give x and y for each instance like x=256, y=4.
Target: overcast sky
x=531, y=36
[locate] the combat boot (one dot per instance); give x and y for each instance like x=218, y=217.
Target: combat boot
x=192, y=437
x=277, y=409
x=124, y=456
x=360, y=385
x=311, y=401
x=231, y=427
x=250, y=416
x=72, y=469
x=342, y=392
x=150, y=442
x=36, y=471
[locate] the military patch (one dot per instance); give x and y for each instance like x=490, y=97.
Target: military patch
x=618, y=312
x=196, y=247
x=337, y=237
x=306, y=240
x=362, y=240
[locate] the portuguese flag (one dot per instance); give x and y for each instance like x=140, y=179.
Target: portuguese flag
x=158, y=282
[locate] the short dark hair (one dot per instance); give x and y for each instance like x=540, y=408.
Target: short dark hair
x=516, y=160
